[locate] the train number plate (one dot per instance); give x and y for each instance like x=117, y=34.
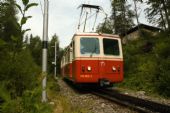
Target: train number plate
x=86, y=76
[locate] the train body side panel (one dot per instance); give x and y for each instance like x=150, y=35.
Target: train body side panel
x=66, y=71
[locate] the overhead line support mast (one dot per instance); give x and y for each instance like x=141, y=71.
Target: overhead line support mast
x=44, y=50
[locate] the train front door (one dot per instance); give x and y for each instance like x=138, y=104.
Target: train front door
x=102, y=64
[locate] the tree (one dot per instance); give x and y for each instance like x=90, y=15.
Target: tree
x=17, y=68
x=106, y=27
x=51, y=53
x=8, y=20
x=122, y=16
x=158, y=13
x=27, y=6
x=35, y=48
x=121, y=19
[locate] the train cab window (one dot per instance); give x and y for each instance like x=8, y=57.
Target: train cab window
x=89, y=46
x=111, y=47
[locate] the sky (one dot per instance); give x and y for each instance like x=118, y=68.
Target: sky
x=64, y=17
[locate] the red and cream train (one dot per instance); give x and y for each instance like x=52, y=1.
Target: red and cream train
x=93, y=58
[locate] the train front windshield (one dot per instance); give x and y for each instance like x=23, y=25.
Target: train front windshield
x=111, y=47
x=89, y=46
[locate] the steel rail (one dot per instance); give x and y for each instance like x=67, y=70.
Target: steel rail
x=138, y=104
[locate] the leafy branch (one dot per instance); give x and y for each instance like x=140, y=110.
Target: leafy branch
x=23, y=11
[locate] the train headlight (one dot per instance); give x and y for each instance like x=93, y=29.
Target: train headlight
x=89, y=68
x=113, y=68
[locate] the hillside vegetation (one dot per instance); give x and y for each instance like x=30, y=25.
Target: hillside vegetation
x=147, y=60
x=147, y=64
x=20, y=72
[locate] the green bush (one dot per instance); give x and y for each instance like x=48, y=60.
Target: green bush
x=30, y=102
x=12, y=106
x=163, y=48
x=163, y=77
x=20, y=73
x=4, y=95
x=148, y=70
x=20, y=86
x=139, y=71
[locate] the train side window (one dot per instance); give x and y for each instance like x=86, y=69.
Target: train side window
x=111, y=47
x=68, y=56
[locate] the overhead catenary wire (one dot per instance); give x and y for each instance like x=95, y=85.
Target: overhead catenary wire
x=85, y=22
x=89, y=21
x=80, y=17
x=88, y=18
x=87, y=10
x=95, y=19
x=41, y=7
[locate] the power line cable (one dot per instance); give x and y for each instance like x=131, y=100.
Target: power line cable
x=41, y=7
x=88, y=18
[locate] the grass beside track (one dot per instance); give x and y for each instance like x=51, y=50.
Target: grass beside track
x=62, y=104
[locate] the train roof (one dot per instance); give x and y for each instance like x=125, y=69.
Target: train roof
x=95, y=34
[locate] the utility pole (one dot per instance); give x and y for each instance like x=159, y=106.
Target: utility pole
x=44, y=51
x=55, y=60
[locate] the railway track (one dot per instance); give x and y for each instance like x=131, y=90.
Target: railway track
x=137, y=104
